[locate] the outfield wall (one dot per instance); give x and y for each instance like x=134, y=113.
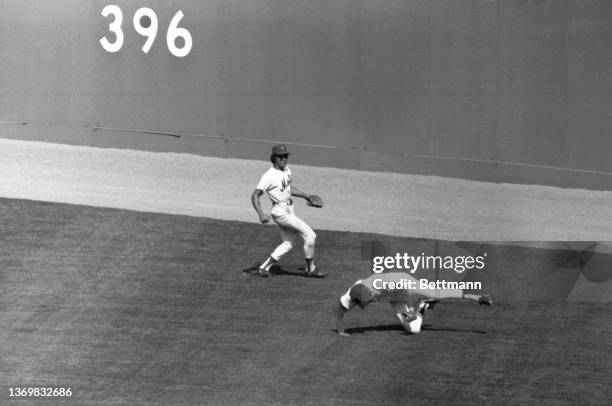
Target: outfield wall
x=513, y=91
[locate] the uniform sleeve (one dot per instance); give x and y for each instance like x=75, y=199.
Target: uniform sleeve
x=346, y=300
x=263, y=182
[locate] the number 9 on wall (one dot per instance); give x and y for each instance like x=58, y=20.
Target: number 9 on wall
x=145, y=22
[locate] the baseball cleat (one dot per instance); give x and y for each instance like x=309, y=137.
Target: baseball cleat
x=428, y=304
x=485, y=300
x=431, y=303
x=263, y=273
x=316, y=273
x=251, y=270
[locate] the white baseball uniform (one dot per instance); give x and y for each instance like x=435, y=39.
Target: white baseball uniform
x=403, y=301
x=277, y=184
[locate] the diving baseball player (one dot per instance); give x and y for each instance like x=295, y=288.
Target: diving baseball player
x=276, y=182
x=403, y=293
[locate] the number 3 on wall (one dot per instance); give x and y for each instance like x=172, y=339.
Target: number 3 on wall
x=148, y=30
x=114, y=27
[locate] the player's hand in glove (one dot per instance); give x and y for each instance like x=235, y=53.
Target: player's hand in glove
x=314, y=201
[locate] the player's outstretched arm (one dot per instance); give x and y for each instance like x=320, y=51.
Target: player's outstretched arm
x=339, y=315
x=297, y=192
x=481, y=299
x=263, y=217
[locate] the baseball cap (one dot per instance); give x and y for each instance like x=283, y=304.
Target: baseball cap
x=280, y=149
x=360, y=295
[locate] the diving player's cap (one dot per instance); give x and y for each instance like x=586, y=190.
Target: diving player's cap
x=280, y=149
x=360, y=295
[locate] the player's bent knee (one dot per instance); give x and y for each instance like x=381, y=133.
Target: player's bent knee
x=310, y=239
x=282, y=250
x=309, y=244
x=288, y=246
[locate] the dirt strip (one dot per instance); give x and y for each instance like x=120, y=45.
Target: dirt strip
x=385, y=203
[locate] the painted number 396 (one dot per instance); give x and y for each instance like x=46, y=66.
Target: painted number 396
x=148, y=30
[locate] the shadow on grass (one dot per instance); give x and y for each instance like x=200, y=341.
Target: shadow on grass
x=276, y=270
x=397, y=327
x=455, y=330
x=385, y=327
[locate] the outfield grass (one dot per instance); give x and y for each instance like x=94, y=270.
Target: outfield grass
x=140, y=308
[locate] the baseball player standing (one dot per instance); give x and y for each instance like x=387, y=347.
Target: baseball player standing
x=277, y=183
x=401, y=290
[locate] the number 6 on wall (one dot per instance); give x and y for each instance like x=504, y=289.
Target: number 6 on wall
x=175, y=32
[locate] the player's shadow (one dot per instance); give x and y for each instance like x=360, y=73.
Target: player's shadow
x=277, y=270
x=385, y=327
x=288, y=271
x=455, y=330
x=398, y=327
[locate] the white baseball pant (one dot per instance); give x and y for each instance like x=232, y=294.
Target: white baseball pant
x=402, y=310
x=291, y=229
x=412, y=304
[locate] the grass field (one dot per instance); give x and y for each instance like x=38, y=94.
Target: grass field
x=152, y=309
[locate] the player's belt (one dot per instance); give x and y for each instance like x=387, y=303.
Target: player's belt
x=288, y=202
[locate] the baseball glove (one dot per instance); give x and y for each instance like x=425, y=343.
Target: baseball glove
x=314, y=201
